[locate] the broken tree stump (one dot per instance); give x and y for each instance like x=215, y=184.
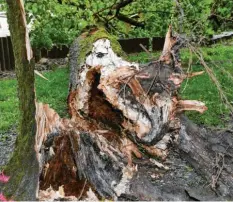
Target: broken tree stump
x=124, y=135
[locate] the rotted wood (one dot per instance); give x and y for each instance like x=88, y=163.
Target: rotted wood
x=122, y=138
x=71, y=155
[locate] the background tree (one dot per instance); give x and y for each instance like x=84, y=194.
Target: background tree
x=221, y=15
x=58, y=22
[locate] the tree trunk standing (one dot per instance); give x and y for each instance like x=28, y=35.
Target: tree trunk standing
x=23, y=167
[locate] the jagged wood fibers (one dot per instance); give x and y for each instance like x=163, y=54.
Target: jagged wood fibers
x=123, y=115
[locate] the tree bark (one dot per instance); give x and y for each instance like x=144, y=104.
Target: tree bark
x=23, y=167
x=210, y=153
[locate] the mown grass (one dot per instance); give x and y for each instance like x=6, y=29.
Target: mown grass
x=144, y=57
x=55, y=91
x=8, y=104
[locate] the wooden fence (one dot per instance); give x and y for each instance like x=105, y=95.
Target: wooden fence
x=7, y=61
x=128, y=45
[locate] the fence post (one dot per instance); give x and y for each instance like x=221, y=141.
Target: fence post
x=3, y=67
x=11, y=54
x=7, y=54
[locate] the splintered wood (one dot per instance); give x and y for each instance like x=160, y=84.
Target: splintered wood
x=118, y=110
x=146, y=97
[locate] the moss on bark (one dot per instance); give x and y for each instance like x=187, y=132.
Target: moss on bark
x=23, y=167
x=89, y=37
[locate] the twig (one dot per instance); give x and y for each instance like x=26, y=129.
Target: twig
x=126, y=19
x=215, y=178
x=213, y=77
x=181, y=17
x=144, y=48
x=103, y=9
x=189, y=68
x=82, y=190
x=121, y=5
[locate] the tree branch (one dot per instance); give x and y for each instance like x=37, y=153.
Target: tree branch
x=181, y=15
x=119, y=16
x=124, y=18
x=121, y=5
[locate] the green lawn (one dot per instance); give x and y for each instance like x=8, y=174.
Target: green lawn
x=54, y=92
x=8, y=104
x=220, y=59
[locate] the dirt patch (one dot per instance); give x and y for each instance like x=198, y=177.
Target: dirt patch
x=51, y=64
x=7, y=145
x=7, y=75
x=45, y=64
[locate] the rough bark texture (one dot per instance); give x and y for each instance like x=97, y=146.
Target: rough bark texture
x=209, y=153
x=23, y=167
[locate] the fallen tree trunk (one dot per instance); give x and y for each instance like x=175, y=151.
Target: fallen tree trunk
x=124, y=135
x=210, y=154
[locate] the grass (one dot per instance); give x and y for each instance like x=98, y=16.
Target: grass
x=8, y=104
x=55, y=91
x=143, y=57
x=219, y=59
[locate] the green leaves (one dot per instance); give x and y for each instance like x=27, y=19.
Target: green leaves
x=82, y=24
x=59, y=22
x=53, y=23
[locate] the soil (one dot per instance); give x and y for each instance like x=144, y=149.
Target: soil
x=51, y=64
x=44, y=64
x=7, y=143
x=7, y=75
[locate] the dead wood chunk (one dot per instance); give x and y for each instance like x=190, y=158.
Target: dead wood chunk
x=121, y=113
